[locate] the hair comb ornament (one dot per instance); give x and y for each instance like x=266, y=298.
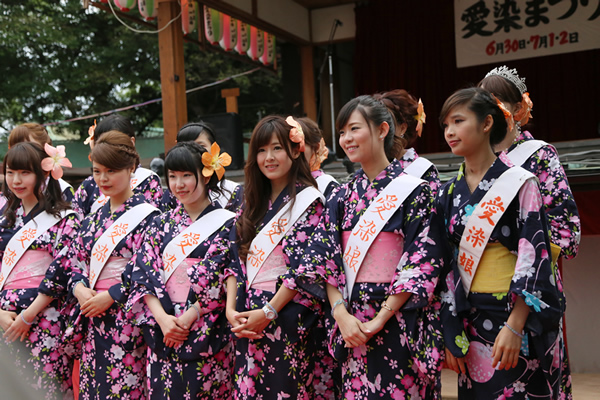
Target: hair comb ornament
x=215, y=162
x=56, y=160
x=296, y=133
x=420, y=117
x=511, y=75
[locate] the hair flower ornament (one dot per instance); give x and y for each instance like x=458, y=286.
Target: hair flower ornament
x=296, y=133
x=321, y=155
x=420, y=117
x=56, y=160
x=215, y=162
x=507, y=115
x=524, y=113
x=91, y=131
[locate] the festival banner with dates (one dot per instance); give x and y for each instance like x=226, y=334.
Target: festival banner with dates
x=493, y=31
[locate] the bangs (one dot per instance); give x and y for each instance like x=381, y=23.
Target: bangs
x=181, y=159
x=20, y=157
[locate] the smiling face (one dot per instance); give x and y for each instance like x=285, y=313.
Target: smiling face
x=464, y=133
x=184, y=186
x=22, y=183
x=273, y=162
x=111, y=182
x=358, y=141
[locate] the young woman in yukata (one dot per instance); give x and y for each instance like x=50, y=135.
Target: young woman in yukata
x=230, y=195
x=113, y=359
x=36, y=221
x=88, y=196
x=541, y=159
x=409, y=115
x=190, y=348
x=502, y=287
x=276, y=309
x=386, y=335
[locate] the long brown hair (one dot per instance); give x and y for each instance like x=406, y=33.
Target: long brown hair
x=257, y=187
x=28, y=156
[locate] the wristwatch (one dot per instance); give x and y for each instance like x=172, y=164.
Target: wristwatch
x=270, y=312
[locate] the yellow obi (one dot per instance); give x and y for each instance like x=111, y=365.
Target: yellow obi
x=495, y=271
x=555, y=250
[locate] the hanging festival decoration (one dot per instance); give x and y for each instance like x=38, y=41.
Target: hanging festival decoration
x=243, y=37
x=124, y=5
x=257, y=43
x=213, y=25
x=268, y=55
x=189, y=16
x=229, y=38
x=148, y=9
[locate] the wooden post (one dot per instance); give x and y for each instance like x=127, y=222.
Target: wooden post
x=308, y=82
x=230, y=96
x=172, y=71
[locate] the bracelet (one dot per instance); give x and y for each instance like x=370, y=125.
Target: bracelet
x=195, y=307
x=384, y=305
x=337, y=303
x=510, y=328
x=24, y=320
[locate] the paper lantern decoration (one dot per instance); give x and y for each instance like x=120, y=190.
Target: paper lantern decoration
x=148, y=9
x=213, y=25
x=268, y=56
x=189, y=16
x=229, y=38
x=243, y=37
x=124, y=5
x=257, y=43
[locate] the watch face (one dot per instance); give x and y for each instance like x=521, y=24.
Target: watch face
x=268, y=312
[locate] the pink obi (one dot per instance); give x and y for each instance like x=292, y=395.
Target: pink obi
x=29, y=271
x=178, y=285
x=273, y=267
x=381, y=261
x=111, y=273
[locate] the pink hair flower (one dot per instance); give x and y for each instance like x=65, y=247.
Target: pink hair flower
x=296, y=133
x=56, y=160
x=420, y=117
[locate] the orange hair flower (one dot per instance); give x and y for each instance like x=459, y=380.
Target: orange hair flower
x=296, y=133
x=507, y=115
x=57, y=160
x=213, y=162
x=420, y=117
x=320, y=156
x=91, y=131
x=525, y=112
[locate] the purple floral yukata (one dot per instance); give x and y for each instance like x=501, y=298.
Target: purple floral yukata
x=472, y=322
x=88, y=192
x=403, y=360
x=113, y=354
x=201, y=368
x=43, y=361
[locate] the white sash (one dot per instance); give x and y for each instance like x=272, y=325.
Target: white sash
x=107, y=242
x=523, y=151
x=64, y=185
x=24, y=237
x=139, y=176
x=372, y=222
x=271, y=234
x=181, y=246
x=323, y=181
x=418, y=167
x=224, y=197
x=482, y=222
